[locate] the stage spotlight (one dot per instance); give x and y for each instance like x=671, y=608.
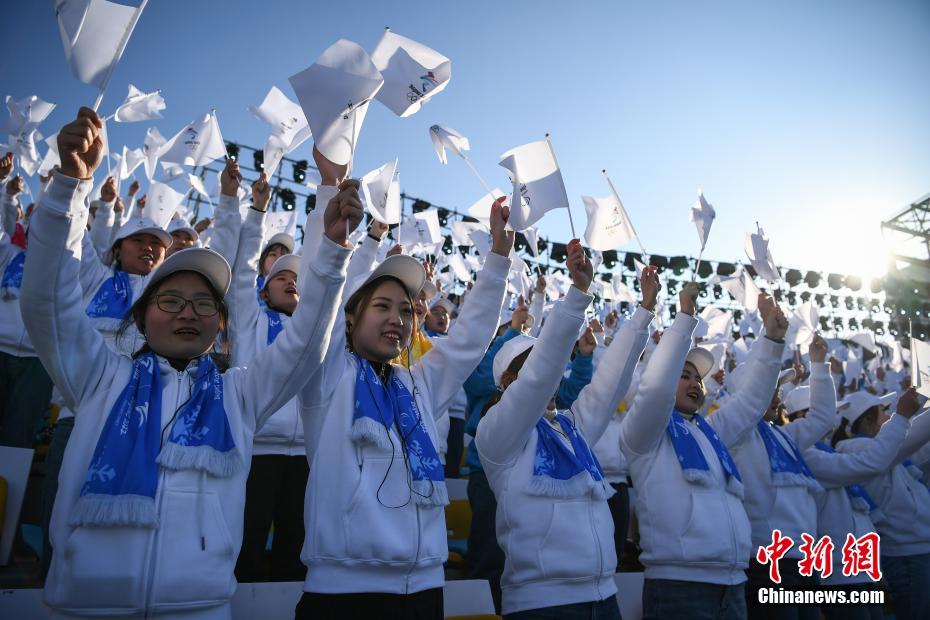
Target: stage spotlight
x=232, y=151
x=300, y=171
x=443, y=216
x=705, y=270
x=311, y=204
x=678, y=264
x=420, y=205
x=629, y=258
x=726, y=269
x=793, y=277
x=288, y=199
x=853, y=283
x=258, y=158
x=718, y=291
x=835, y=281
x=876, y=286
x=834, y=301
x=805, y=296
x=610, y=258
x=812, y=279
x=659, y=261
x=559, y=252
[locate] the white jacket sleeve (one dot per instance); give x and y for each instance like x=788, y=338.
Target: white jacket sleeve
x=71, y=350
x=917, y=436
x=598, y=400
x=740, y=414
x=840, y=469
x=101, y=229
x=644, y=424
x=536, y=311
x=279, y=371
x=506, y=427
x=93, y=271
x=244, y=311
x=8, y=214
x=227, y=220
x=363, y=258
x=446, y=366
x=806, y=431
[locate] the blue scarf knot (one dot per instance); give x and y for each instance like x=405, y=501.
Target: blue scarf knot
x=122, y=478
x=111, y=302
x=788, y=468
x=562, y=473
x=275, y=326
x=858, y=496
x=694, y=466
x=13, y=277
x=915, y=472
x=378, y=407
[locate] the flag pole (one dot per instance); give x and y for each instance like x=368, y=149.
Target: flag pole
x=617, y=196
x=351, y=154
x=698, y=265
x=484, y=183
x=119, y=52
x=568, y=207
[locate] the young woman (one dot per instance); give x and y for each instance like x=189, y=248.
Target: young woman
x=846, y=508
x=693, y=528
x=376, y=538
x=903, y=499
x=148, y=516
x=553, y=522
x=183, y=236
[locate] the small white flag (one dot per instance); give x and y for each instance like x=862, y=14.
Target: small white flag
x=94, y=34
x=196, y=145
x=532, y=240
x=376, y=189
x=127, y=162
x=139, y=106
x=920, y=367
x=412, y=73
x=197, y=183
x=280, y=222
x=52, y=158
x=447, y=138
x=161, y=203
x=481, y=210
x=481, y=239
x=702, y=214
x=25, y=115
x=757, y=249
x=289, y=127
x=461, y=231
x=427, y=223
x=537, y=183
x=334, y=94
x=459, y=268
x=171, y=172
x=608, y=224
x=150, y=147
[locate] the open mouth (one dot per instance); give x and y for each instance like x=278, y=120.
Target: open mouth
x=392, y=336
x=148, y=258
x=187, y=332
x=694, y=394
x=291, y=290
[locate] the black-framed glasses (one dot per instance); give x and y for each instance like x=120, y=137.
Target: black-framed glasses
x=174, y=304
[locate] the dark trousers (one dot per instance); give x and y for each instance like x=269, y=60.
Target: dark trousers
x=670, y=599
x=485, y=559
x=619, y=506
x=425, y=605
x=56, y=452
x=597, y=610
x=25, y=390
x=758, y=576
x=455, y=445
x=908, y=579
x=274, y=493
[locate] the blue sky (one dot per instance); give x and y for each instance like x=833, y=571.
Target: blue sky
x=808, y=117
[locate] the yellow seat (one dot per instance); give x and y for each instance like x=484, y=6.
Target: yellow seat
x=458, y=522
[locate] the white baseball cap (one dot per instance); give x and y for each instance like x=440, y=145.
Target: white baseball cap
x=702, y=359
x=282, y=239
x=181, y=224
x=141, y=226
x=405, y=268
x=445, y=303
x=798, y=399
x=857, y=403
x=287, y=262
x=206, y=262
x=508, y=352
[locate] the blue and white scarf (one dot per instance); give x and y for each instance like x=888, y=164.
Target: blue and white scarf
x=562, y=473
x=693, y=464
x=275, y=326
x=915, y=472
x=858, y=496
x=259, y=285
x=122, y=478
x=13, y=277
x=111, y=302
x=788, y=467
x=378, y=407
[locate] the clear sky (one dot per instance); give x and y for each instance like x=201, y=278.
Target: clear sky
x=812, y=118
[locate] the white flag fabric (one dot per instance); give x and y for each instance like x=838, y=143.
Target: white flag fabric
x=481, y=210
x=25, y=116
x=280, y=222
x=171, y=172
x=427, y=223
x=196, y=145
x=757, y=249
x=802, y=325
x=703, y=214
x=532, y=240
x=461, y=231
x=94, y=33
x=161, y=203
x=481, y=239
x=139, y=106
x=197, y=183
x=639, y=265
x=334, y=93
x=867, y=341
x=714, y=325
x=376, y=189
x=413, y=73
x=537, y=183
x=608, y=224
x=459, y=268
x=920, y=366
x=447, y=138
x=150, y=147
x=127, y=162
x=289, y=127
x=742, y=288
x=52, y=158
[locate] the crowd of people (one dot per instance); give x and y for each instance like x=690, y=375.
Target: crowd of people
x=321, y=394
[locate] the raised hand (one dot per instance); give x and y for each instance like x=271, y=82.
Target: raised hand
x=587, y=343
x=330, y=173
x=501, y=238
x=540, y=284
x=430, y=268
x=140, y=204
x=909, y=403
x=378, y=229
x=395, y=250
x=520, y=315
x=650, y=285
x=15, y=185
x=596, y=326
x=773, y=318
x=343, y=213
x=687, y=298
x=80, y=146
x=229, y=179
x=818, y=350
x=261, y=193
x=202, y=225
x=6, y=165
x=579, y=266
x=118, y=205
x=134, y=188
x=108, y=191
x=611, y=320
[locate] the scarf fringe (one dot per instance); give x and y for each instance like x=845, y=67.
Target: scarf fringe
x=367, y=430
x=915, y=472
x=859, y=504
x=430, y=492
x=114, y=510
x=9, y=293
x=579, y=486
x=205, y=458
x=791, y=479
x=704, y=478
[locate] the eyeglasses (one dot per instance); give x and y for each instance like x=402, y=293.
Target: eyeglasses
x=175, y=304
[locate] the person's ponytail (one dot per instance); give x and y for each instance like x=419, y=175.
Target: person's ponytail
x=840, y=433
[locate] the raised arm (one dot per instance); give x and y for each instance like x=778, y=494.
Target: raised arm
x=10, y=198
x=244, y=312
x=536, y=305
x=71, y=350
x=227, y=220
x=101, y=229
x=581, y=373
x=839, y=469
x=819, y=420
x=919, y=434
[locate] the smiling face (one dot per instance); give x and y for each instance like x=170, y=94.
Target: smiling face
x=437, y=319
x=270, y=255
x=280, y=292
x=689, y=397
x=184, y=335
x=181, y=241
x=380, y=329
x=139, y=254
